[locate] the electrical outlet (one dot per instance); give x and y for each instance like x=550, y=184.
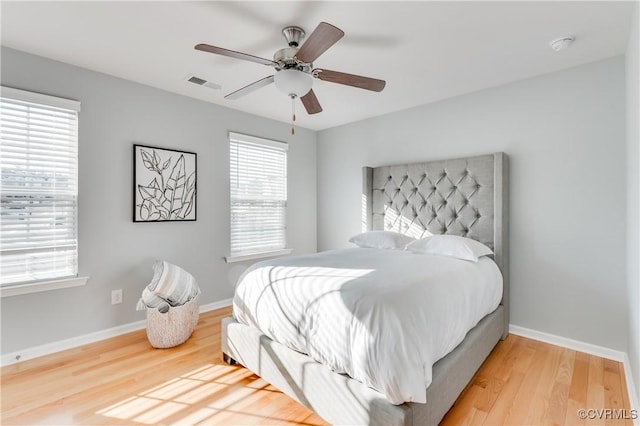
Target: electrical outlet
x=116, y=297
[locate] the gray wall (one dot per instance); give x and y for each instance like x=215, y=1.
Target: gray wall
x=565, y=135
x=633, y=197
x=114, y=251
x=564, y=132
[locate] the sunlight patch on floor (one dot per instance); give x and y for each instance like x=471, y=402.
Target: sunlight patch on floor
x=130, y=407
x=178, y=395
x=158, y=414
x=198, y=416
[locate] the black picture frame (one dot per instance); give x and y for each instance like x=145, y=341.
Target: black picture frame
x=164, y=184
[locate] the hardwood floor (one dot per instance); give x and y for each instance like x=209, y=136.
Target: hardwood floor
x=526, y=382
x=124, y=380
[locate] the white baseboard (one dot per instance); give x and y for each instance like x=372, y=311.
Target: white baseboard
x=565, y=342
x=61, y=345
x=589, y=349
x=633, y=395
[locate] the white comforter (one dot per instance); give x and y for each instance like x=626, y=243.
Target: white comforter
x=383, y=317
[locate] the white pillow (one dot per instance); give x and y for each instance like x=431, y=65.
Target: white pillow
x=149, y=300
x=172, y=283
x=450, y=245
x=381, y=240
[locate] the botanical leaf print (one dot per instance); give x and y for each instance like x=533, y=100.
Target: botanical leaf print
x=172, y=198
x=147, y=160
x=175, y=187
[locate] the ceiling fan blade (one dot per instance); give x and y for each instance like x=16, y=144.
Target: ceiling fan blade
x=350, y=79
x=250, y=88
x=233, y=54
x=311, y=103
x=323, y=37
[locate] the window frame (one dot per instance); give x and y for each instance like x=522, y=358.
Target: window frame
x=240, y=138
x=59, y=281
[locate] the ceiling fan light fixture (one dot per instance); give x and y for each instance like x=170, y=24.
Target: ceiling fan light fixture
x=293, y=82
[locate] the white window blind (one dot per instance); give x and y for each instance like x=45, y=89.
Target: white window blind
x=258, y=174
x=39, y=187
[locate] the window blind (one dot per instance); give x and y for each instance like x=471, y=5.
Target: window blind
x=39, y=187
x=258, y=175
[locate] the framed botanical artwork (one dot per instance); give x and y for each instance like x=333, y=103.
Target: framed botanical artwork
x=164, y=184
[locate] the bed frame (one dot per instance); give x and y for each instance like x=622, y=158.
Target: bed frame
x=465, y=196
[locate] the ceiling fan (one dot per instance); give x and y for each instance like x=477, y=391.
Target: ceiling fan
x=294, y=66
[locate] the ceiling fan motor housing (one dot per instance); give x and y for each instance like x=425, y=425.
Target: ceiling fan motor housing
x=286, y=60
x=286, y=57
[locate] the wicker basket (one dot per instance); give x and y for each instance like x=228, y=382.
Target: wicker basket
x=174, y=327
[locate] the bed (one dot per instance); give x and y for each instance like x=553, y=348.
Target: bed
x=465, y=197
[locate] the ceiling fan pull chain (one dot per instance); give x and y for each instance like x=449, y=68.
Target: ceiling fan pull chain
x=293, y=114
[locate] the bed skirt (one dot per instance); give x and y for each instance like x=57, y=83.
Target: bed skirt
x=341, y=400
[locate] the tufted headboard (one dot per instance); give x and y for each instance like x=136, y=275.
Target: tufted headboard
x=464, y=196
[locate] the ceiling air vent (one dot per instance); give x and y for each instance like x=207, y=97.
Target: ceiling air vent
x=202, y=82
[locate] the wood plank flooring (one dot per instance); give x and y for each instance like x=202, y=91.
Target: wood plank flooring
x=124, y=380
x=526, y=382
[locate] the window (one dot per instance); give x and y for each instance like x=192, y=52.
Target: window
x=258, y=175
x=39, y=187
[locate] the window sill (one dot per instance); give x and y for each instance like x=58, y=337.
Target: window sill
x=254, y=256
x=18, y=289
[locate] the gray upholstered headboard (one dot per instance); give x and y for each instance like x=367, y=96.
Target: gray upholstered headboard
x=464, y=196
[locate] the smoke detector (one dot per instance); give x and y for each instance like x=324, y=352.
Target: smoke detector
x=561, y=43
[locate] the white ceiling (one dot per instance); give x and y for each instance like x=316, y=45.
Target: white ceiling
x=426, y=51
